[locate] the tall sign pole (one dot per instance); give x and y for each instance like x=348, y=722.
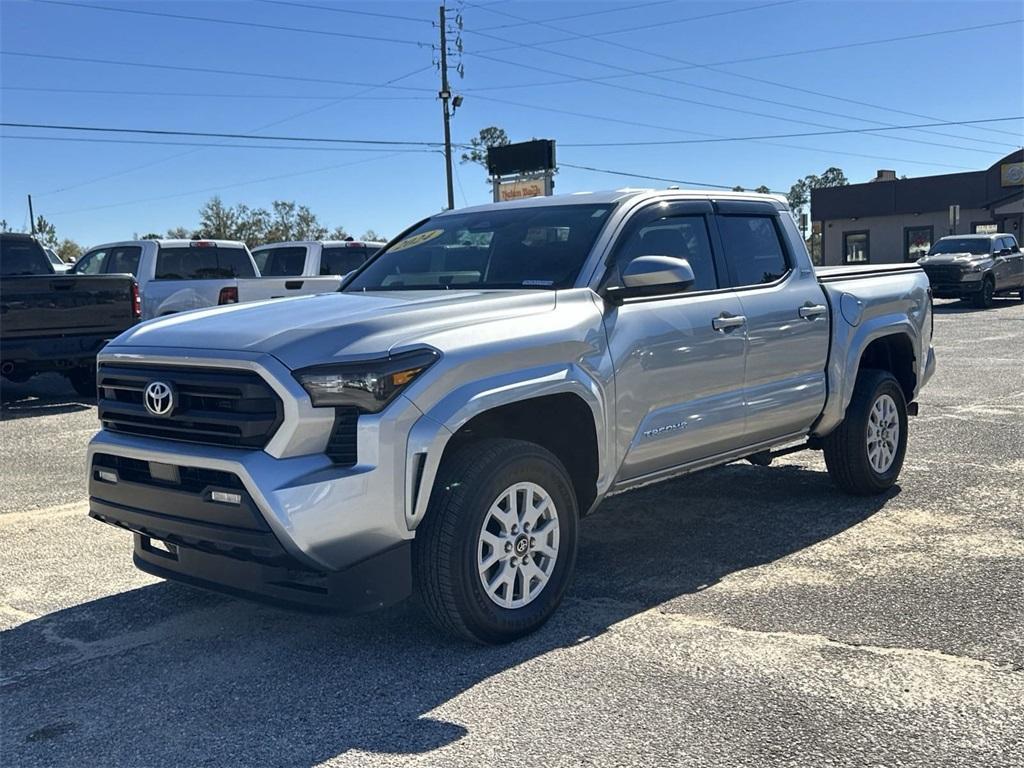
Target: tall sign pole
x=445, y=95
x=31, y=215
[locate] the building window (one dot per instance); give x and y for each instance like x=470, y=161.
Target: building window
x=984, y=228
x=856, y=248
x=916, y=242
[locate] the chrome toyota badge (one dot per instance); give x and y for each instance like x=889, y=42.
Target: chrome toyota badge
x=158, y=398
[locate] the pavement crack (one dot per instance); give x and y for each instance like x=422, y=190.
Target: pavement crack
x=825, y=641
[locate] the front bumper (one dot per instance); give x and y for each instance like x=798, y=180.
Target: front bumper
x=183, y=532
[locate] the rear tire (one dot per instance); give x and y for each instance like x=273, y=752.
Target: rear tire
x=83, y=380
x=476, y=515
x=983, y=299
x=865, y=453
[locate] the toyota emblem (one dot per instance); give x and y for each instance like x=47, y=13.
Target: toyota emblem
x=159, y=398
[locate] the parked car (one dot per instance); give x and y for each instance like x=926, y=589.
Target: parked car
x=442, y=423
x=179, y=275
x=975, y=267
x=51, y=322
x=59, y=265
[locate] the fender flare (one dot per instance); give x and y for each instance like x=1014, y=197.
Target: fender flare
x=430, y=434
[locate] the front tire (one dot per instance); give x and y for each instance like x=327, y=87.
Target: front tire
x=864, y=454
x=496, y=550
x=984, y=298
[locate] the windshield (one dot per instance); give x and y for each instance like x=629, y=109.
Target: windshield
x=974, y=245
x=542, y=247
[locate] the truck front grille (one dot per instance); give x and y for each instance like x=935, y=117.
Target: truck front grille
x=213, y=406
x=943, y=274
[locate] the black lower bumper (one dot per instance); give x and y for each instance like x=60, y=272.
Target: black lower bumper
x=955, y=290
x=379, y=581
x=52, y=353
x=182, y=534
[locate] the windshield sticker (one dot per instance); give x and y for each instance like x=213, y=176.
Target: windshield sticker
x=413, y=240
x=538, y=283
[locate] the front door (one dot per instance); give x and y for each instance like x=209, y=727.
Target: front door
x=678, y=359
x=787, y=320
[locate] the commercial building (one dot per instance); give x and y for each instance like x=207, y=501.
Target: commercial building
x=890, y=220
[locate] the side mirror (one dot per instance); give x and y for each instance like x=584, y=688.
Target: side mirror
x=652, y=276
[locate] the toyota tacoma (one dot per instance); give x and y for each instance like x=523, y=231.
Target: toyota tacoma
x=440, y=425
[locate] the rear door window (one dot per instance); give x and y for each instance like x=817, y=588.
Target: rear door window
x=281, y=262
x=754, y=249
x=203, y=263
x=340, y=260
x=124, y=259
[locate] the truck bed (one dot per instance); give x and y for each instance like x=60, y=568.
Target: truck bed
x=854, y=271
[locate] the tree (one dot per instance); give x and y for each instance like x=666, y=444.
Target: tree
x=179, y=233
x=217, y=221
x=763, y=190
x=491, y=136
x=800, y=193
x=69, y=251
x=371, y=235
x=46, y=233
x=149, y=236
x=338, y=233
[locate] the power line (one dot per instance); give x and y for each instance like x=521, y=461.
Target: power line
x=790, y=135
x=764, y=57
x=349, y=11
x=669, y=22
x=218, y=188
x=233, y=22
x=617, y=9
x=684, y=100
x=148, y=142
x=205, y=94
x=643, y=176
x=674, y=129
x=364, y=91
x=634, y=49
x=774, y=102
x=207, y=70
x=216, y=135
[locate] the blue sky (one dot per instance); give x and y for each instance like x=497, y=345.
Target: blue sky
x=99, y=191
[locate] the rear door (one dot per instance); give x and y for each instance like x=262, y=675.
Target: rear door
x=787, y=319
x=678, y=359
x=1008, y=263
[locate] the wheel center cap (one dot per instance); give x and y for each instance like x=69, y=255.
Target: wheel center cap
x=522, y=545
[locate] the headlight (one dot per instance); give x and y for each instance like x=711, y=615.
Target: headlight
x=369, y=385
x=976, y=268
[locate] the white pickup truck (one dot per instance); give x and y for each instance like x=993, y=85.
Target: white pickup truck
x=310, y=258
x=179, y=275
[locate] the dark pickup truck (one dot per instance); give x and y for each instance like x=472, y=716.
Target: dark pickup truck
x=51, y=322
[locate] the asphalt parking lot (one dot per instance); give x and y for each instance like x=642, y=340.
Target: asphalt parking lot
x=743, y=616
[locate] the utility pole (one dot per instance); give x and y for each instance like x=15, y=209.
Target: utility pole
x=31, y=215
x=445, y=95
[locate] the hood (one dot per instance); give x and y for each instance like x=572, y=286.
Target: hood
x=307, y=330
x=957, y=259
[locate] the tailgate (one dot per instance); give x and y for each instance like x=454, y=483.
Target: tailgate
x=65, y=305
x=259, y=288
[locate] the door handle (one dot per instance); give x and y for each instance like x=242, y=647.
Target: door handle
x=811, y=311
x=726, y=322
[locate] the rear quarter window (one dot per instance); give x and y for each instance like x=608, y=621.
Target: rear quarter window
x=20, y=256
x=209, y=263
x=753, y=247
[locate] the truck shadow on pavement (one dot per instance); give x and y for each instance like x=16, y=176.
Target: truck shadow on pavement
x=40, y=396
x=966, y=308
x=167, y=675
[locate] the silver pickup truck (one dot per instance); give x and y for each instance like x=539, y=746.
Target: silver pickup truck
x=441, y=424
